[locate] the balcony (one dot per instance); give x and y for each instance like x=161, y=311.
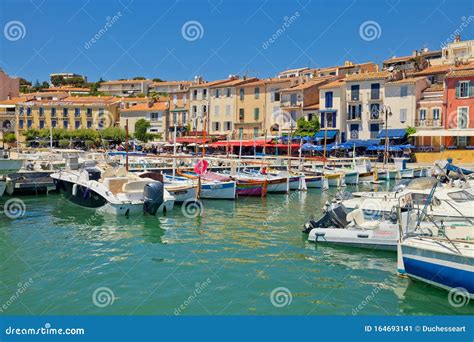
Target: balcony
x=429, y=123
x=354, y=117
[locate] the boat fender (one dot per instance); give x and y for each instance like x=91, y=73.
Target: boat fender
x=74, y=189
x=153, y=194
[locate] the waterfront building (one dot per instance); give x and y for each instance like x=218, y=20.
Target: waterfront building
x=223, y=105
x=435, y=73
x=365, y=96
x=332, y=111
x=417, y=61
x=459, y=112
x=179, y=111
x=199, y=102
x=68, y=90
x=294, y=73
x=125, y=87
x=273, y=88
x=458, y=51
x=167, y=87
x=50, y=110
x=9, y=86
x=429, y=117
x=156, y=113
x=250, y=116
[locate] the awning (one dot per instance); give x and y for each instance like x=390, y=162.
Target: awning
x=392, y=133
x=445, y=133
x=330, y=134
x=236, y=143
x=189, y=140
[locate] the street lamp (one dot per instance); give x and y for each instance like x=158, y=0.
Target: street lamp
x=387, y=111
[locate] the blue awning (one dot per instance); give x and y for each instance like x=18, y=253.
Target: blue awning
x=330, y=134
x=361, y=143
x=393, y=133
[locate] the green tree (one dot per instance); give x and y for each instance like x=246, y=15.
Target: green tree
x=63, y=143
x=139, y=78
x=113, y=134
x=9, y=138
x=410, y=131
x=307, y=128
x=141, y=127
x=157, y=80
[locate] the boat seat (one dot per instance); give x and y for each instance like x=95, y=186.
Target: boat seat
x=357, y=216
x=121, y=172
x=135, y=186
x=115, y=184
x=107, y=173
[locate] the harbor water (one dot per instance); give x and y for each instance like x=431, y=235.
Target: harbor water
x=243, y=257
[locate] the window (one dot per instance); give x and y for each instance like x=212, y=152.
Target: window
x=154, y=117
x=21, y=123
x=216, y=126
x=29, y=123
x=257, y=92
x=277, y=96
x=463, y=117
x=403, y=91
x=185, y=119
x=217, y=93
x=28, y=111
x=204, y=93
x=77, y=124
x=422, y=114
x=241, y=114
x=435, y=112
x=53, y=112
x=195, y=94
x=375, y=91
x=89, y=124
x=216, y=110
x=354, y=131
x=228, y=125
x=241, y=93
x=256, y=114
x=227, y=110
x=355, y=92
x=462, y=89
x=21, y=110
x=41, y=111
x=53, y=123
x=41, y=124
x=241, y=132
x=374, y=111
x=293, y=99
x=328, y=99
x=374, y=130
x=256, y=132
x=65, y=123
x=354, y=112
x=403, y=115
x=89, y=112
x=228, y=92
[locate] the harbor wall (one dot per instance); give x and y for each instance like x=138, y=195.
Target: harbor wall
x=458, y=156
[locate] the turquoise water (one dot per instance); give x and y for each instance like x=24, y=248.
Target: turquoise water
x=225, y=262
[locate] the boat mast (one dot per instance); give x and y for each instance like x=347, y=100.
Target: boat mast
x=174, y=151
x=126, y=144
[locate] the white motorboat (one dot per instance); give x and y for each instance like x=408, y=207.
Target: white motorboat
x=451, y=201
x=113, y=191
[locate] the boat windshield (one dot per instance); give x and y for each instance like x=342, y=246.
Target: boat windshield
x=462, y=196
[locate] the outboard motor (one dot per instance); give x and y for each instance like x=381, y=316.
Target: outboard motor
x=334, y=216
x=153, y=194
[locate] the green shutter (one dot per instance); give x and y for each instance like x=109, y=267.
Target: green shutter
x=471, y=89
x=256, y=113
x=458, y=89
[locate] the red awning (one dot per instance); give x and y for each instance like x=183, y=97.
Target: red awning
x=189, y=140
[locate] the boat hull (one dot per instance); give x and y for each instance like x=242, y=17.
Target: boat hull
x=447, y=271
x=218, y=190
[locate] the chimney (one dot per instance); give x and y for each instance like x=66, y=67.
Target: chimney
x=348, y=63
x=457, y=39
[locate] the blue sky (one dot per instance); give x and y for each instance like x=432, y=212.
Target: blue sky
x=145, y=37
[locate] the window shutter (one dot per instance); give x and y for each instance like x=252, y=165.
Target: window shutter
x=322, y=120
x=471, y=89
x=458, y=89
x=334, y=120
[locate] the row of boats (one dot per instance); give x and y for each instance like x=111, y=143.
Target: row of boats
x=428, y=222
